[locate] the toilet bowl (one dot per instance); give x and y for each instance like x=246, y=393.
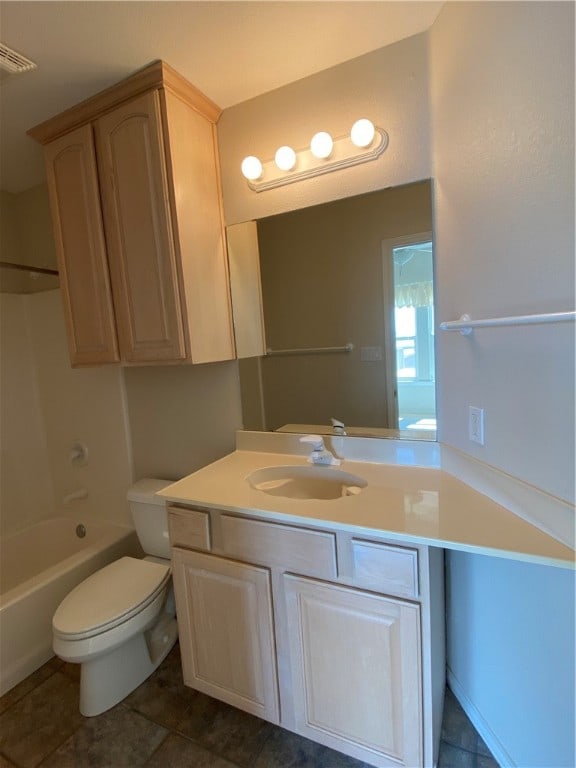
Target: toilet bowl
x=119, y=623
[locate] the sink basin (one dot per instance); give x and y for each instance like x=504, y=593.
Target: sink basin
x=310, y=482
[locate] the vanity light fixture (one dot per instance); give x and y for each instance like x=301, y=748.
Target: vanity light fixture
x=362, y=133
x=285, y=158
x=365, y=142
x=322, y=145
x=251, y=168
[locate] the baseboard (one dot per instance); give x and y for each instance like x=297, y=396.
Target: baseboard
x=490, y=739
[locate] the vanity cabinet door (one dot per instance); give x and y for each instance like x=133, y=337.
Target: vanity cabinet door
x=355, y=666
x=138, y=222
x=72, y=178
x=226, y=631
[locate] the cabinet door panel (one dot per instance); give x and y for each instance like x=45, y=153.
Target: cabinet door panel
x=79, y=235
x=355, y=660
x=138, y=225
x=226, y=631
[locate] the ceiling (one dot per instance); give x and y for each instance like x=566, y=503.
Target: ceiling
x=232, y=51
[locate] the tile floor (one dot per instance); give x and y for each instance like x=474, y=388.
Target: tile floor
x=163, y=724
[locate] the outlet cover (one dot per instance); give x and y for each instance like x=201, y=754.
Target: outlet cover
x=476, y=424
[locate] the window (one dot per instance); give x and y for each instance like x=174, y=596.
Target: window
x=414, y=312
x=414, y=343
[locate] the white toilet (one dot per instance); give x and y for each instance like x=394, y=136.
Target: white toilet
x=119, y=623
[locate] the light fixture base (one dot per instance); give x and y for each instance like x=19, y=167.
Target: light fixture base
x=344, y=155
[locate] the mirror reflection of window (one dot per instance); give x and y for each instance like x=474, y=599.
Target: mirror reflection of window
x=414, y=335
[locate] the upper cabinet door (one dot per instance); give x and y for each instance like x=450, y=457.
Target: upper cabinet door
x=138, y=221
x=79, y=236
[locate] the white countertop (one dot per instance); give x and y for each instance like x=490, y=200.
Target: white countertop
x=405, y=503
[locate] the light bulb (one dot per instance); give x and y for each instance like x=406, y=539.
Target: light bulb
x=251, y=168
x=321, y=145
x=362, y=133
x=285, y=158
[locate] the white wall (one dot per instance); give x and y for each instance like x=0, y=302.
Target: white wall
x=26, y=491
x=46, y=407
x=511, y=656
x=502, y=85
x=85, y=404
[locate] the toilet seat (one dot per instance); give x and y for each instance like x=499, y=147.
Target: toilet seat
x=110, y=597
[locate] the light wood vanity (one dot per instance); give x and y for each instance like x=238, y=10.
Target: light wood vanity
x=134, y=185
x=337, y=637
x=327, y=616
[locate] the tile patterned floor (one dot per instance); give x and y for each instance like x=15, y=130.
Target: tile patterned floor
x=163, y=724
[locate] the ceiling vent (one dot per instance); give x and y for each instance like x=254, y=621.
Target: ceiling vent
x=13, y=63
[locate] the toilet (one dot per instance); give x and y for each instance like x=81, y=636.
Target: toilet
x=120, y=623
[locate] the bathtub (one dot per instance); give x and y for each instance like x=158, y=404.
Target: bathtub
x=38, y=567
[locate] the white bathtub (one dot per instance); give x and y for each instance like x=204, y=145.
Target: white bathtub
x=38, y=567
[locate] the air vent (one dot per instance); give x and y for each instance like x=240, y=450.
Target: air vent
x=13, y=62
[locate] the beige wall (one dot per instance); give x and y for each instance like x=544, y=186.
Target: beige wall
x=182, y=417
x=26, y=238
x=389, y=86
x=324, y=283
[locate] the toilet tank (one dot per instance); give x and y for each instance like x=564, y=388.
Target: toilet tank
x=150, y=516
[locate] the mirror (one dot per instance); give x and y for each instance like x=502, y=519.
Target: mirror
x=344, y=291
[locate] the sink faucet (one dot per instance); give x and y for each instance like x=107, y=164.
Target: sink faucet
x=320, y=454
x=338, y=427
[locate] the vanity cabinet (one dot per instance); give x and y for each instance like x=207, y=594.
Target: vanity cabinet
x=135, y=195
x=347, y=633
x=354, y=660
x=226, y=631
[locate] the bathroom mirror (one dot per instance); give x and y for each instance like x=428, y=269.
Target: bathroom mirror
x=345, y=296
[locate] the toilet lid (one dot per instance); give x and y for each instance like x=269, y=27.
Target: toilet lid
x=110, y=596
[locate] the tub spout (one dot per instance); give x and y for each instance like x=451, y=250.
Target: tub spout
x=80, y=494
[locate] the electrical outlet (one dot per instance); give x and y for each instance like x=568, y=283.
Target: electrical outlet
x=476, y=424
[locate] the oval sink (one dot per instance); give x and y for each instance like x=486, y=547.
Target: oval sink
x=310, y=482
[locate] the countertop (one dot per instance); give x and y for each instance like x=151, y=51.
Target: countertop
x=404, y=503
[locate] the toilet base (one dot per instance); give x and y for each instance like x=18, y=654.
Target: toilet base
x=107, y=679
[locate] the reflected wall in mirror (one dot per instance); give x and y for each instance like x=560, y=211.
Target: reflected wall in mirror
x=347, y=298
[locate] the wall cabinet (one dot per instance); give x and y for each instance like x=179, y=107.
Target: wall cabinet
x=336, y=638
x=134, y=187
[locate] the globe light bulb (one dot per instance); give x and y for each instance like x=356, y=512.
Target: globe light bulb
x=362, y=133
x=251, y=168
x=321, y=145
x=285, y=158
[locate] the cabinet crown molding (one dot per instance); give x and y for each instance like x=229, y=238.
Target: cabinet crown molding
x=158, y=74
